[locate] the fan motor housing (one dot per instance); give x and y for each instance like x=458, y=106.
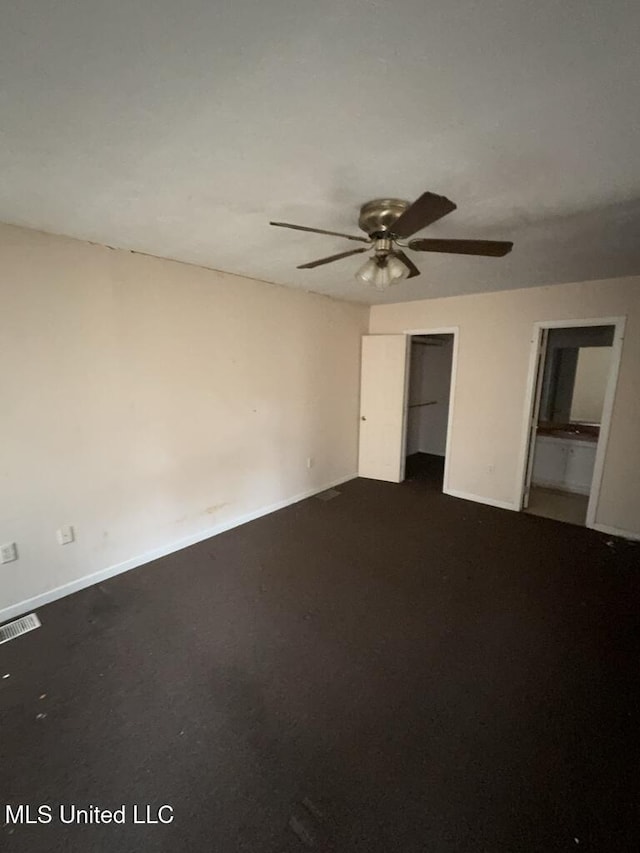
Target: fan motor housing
x=378, y=216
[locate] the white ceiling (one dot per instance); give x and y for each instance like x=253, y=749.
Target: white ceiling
x=181, y=128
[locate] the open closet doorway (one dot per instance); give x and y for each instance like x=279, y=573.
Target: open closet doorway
x=428, y=405
x=572, y=399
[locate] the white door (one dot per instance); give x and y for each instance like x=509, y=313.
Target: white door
x=383, y=390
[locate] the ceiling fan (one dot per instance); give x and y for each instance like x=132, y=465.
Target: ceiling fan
x=387, y=221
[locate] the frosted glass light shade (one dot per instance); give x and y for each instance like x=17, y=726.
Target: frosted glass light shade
x=383, y=278
x=397, y=269
x=381, y=272
x=367, y=272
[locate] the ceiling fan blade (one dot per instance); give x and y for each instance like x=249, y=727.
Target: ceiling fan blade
x=489, y=248
x=330, y=259
x=425, y=210
x=321, y=231
x=414, y=271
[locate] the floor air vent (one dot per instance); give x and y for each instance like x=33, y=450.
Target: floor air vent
x=329, y=495
x=20, y=626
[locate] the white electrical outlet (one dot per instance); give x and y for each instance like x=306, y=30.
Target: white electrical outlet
x=8, y=552
x=309, y=461
x=65, y=535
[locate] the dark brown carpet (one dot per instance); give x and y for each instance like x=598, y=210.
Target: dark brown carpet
x=429, y=674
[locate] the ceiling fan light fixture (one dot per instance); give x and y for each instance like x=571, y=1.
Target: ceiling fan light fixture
x=382, y=271
x=386, y=221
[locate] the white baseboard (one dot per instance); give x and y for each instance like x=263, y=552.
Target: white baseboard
x=601, y=528
x=15, y=610
x=467, y=496
x=615, y=531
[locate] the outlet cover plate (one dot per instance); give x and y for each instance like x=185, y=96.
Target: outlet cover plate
x=8, y=552
x=65, y=535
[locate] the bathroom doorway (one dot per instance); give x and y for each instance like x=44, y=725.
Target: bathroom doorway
x=574, y=385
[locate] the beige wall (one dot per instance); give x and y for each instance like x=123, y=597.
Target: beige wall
x=148, y=402
x=589, y=388
x=493, y=362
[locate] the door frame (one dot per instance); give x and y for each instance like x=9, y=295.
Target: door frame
x=440, y=330
x=541, y=363
x=607, y=408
